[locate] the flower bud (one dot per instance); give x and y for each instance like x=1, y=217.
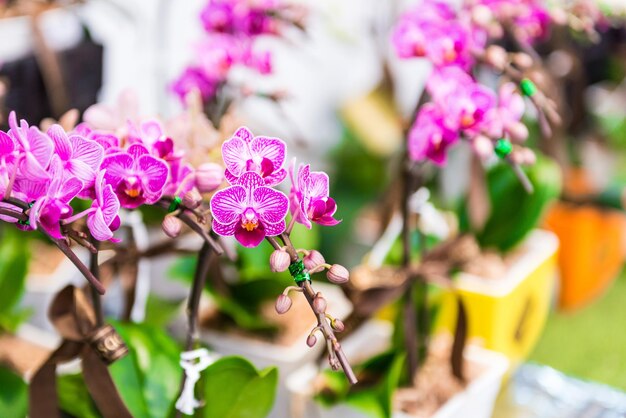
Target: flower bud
x=528, y=156
x=338, y=274
x=334, y=363
x=517, y=131
x=338, y=325
x=315, y=258
x=283, y=303
x=192, y=199
x=482, y=146
x=496, y=56
x=279, y=261
x=319, y=304
x=209, y=177
x=171, y=225
x=481, y=15
x=523, y=60
x=517, y=157
x=311, y=340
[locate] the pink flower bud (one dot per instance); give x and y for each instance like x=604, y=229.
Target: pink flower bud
x=338, y=274
x=338, y=325
x=171, y=225
x=209, y=177
x=523, y=60
x=528, y=156
x=517, y=131
x=279, y=261
x=481, y=15
x=334, y=363
x=319, y=304
x=311, y=340
x=496, y=56
x=315, y=258
x=517, y=157
x=482, y=146
x=283, y=303
x=192, y=199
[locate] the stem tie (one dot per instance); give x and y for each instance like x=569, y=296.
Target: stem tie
x=175, y=204
x=297, y=271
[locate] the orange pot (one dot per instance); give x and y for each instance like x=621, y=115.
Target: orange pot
x=591, y=253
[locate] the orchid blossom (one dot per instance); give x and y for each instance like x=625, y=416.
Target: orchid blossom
x=249, y=210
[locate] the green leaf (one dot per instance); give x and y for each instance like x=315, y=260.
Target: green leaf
x=14, y=258
x=160, y=312
x=148, y=378
x=382, y=372
x=74, y=398
x=242, y=316
x=13, y=395
x=233, y=388
x=514, y=212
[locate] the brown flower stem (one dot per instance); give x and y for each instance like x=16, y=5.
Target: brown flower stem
x=197, y=228
x=60, y=243
x=409, y=311
x=94, y=268
x=200, y=231
x=20, y=216
x=16, y=202
x=199, y=215
x=334, y=347
x=95, y=283
x=193, y=303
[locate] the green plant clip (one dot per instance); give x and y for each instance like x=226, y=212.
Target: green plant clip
x=503, y=147
x=297, y=271
x=175, y=204
x=528, y=87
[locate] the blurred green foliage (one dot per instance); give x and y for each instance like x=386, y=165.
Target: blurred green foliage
x=14, y=257
x=514, y=212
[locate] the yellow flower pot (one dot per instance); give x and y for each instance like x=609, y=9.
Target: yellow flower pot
x=508, y=314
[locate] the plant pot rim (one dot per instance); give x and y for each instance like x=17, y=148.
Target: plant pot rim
x=537, y=247
x=494, y=366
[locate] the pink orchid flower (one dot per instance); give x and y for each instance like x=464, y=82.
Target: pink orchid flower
x=433, y=30
x=309, y=197
x=81, y=157
x=249, y=210
x=34, y=149
x=104, y=218
x=136, y=176
x=429, y=138
x=111, y=118
x=265, y=156
x=195, y=79
x=466, y=102
x=8, y=157
x=505, y=119
x=51, y=199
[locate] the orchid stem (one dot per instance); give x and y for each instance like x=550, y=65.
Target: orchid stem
x=193, y=303
x=335, y=350
x=94, y=268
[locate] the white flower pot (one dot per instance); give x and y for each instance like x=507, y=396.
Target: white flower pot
x=476, y=401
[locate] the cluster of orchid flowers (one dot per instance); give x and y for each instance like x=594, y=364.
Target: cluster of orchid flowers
x=455, y=42
x=232, y=30
x=125, y=167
